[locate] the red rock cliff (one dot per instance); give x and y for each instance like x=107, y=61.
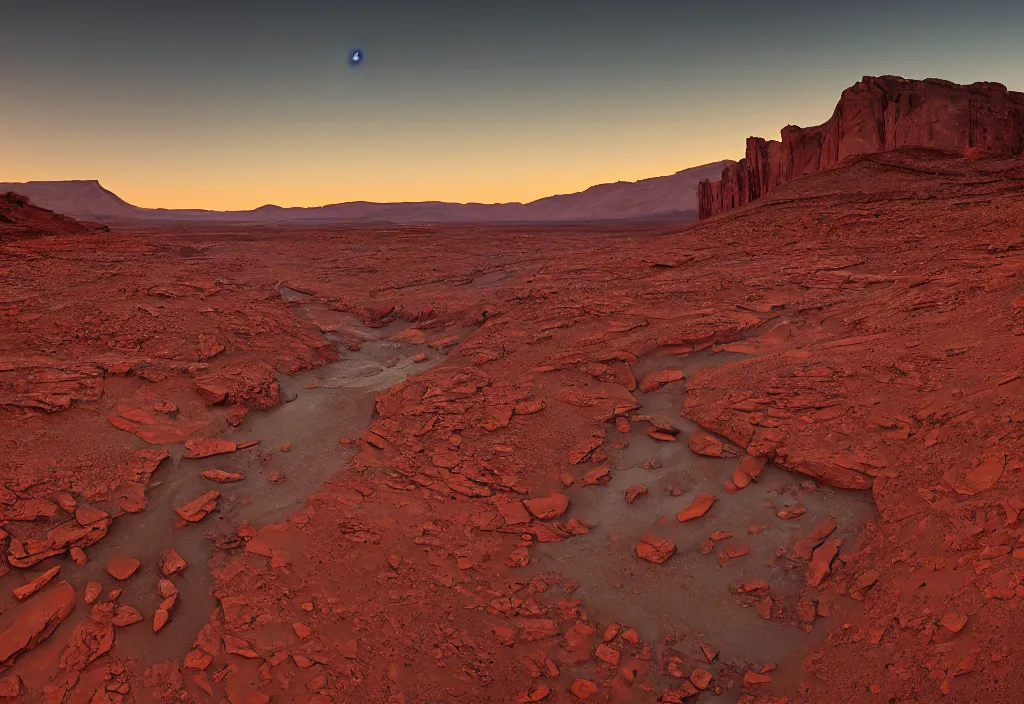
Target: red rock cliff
x=875, y=115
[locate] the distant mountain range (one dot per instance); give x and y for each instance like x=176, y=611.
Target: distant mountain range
x=663, y=197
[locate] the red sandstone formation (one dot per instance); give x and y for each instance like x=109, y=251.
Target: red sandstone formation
x=875, y=115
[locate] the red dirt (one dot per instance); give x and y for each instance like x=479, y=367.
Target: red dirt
x=409, y=575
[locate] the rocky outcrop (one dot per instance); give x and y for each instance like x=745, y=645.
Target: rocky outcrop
x=19, y=216
x=876, y=115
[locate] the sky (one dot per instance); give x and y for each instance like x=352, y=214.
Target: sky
x=231, y=105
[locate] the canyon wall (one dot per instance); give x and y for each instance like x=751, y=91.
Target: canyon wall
x=875, y=115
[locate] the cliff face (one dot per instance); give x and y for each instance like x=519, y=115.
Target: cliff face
x=875, y=115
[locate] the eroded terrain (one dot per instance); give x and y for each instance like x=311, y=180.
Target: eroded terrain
x=774, y=456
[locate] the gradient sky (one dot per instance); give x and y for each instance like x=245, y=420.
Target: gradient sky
x=177, y=103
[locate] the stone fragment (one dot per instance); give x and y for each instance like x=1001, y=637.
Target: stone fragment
x=655, y=380
x=171, y=562
x=121, y=568
x=35, y=620
x=701, y=504
x=821, y=561
x=791, y=511
x=197, y=509
x=598, y=475
x=222, y=477
x=583, y=689
x=196, y=449
x=160, y=618
x=92, y=592
x=608, y=654
x=654, y=549
x=954, y=621
x=539, y=628
x=634, y=491
x=546, y=508
x=701, y=678
x=125, y=615
x=26, y=590
x=703, y=443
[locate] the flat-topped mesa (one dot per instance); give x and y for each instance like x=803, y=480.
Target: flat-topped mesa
x=876, y=115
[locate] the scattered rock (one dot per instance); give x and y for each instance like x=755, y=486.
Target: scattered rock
x=583, y=689
x=548, y=507
x=222, y=477
x=655, y=380
x=821, y=561
x=171, y=562
x=197, y=509
x=197, y=449
x=701, y=504
x=655, y=549
x=634, y=491
x=122, y=568
x=702, y=443
x=26, y=590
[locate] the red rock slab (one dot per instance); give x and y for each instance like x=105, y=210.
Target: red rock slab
x=634, y=491
x=953, y=621
x=26, y=590
x=702, y=443
x=732, y=552
x=222, y=477
x=583, y=689
x=92, y=592
x=803, y=547
x=130, y=497
x=197, y=509
x=661, y=435
x=35, y=620
x=171, y=562
x=608, y=654
x=208, y=447
x=701, y=678
x=821, y=561
x=160, y=618
x=125, y=616
x=121, y=567
x=654, y=549
x=528, y=407
x=655, y=380
x=539, y=628
x=598, y=475
x=548, y=507
x=212, y=392
x=791, y=511
x=748, y=469
x=702, y=503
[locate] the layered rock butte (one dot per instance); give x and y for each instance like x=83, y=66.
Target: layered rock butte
x=875, y=115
